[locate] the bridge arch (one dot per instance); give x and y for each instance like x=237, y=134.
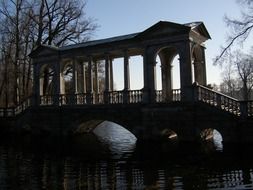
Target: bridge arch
x=213, y=137
x=169, y=134
x=88, y=125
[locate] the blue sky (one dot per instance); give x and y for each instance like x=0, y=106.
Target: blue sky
x=119, y=17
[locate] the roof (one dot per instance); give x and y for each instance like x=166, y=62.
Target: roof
x=102, y=41
x=195, y=26
x=200, y=27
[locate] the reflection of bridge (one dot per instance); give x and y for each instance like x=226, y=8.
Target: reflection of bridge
x=63, y=106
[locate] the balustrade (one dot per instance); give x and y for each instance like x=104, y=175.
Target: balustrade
x=47, y=100
x=115, y=97
x=174, y=96
x=135, y=96
x=203, y=94
x=250, y=108
x=9, y=112
x=218, y=100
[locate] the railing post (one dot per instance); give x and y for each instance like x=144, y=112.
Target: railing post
x=106, y=97
x=126, y=96
x=250, y=108
x=244, y=109
x=218, y=97
x=195, y=92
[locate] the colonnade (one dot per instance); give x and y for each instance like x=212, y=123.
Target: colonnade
x=85, y=78
x=86, y=89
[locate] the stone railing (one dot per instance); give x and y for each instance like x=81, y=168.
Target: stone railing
x=174, y=96
x=115, y=97
x=223, y=102
x=135, y=96
x=13, y=111
x=201, y=93
x=250, y=108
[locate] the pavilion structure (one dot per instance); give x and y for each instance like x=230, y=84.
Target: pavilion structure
x=82, y=62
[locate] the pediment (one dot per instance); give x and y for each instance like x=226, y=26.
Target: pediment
x=163, y=28
x=200, y=29
x=43, y=50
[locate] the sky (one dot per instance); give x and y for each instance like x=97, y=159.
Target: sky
x=120, y=17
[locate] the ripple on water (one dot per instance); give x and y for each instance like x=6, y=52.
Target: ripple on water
x=119, y=140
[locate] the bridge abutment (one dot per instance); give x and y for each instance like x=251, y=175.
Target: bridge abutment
x=146, y=122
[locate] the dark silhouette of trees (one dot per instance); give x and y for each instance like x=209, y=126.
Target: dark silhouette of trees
x=239, y=29
x=27, y=24
x=238, y=76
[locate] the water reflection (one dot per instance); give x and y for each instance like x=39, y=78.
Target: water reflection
x=146, y=166
x=118, y=139
x=217, y=140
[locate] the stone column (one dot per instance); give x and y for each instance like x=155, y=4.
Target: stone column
x=74, y=77
x=149, y=93
x=186, y=71
x=204, y=66
x=62, y=83
x=37, y=86
x=107, y=73
x=197, y=71
x=111, y=74
x=107, y=79
x=147, y=69
x=56, y=83
x=90, y=82
x=74, y=82
x=126, y=78
x=96, y=82
x=167, y=81
x=62, y=86
x=81, y=81
x=151, y=63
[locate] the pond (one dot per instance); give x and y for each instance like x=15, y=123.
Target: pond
x=112, y=158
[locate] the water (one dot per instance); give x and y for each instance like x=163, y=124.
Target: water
x=114, y=160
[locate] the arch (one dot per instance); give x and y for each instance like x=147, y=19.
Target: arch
x=165, y=57
x=198, y=64
x=212, y=135
x=136, y=72
x=87, y=126
x=115, y=136
x=47, y=73
x=67, y=70
x=169, y=134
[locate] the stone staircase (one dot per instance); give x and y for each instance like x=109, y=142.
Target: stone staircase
x=223, y=102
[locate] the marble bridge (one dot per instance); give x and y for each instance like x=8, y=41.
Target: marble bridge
x=73, y=89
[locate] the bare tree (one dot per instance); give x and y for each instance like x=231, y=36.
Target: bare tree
x=244, y=65
x=60, y=22
x=239, y=28
x=29, y=23
x=238, y=75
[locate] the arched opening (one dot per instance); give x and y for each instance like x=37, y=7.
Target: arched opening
x=136, y=72
x=118, y=73
x=167, y=74
x=46, y=80
x=119, y=139
x=67, y=85
x=158, y=73
x=112, y=135
x=169, y=134
x=213, y=136
x=198, y=65
x=100, y=76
